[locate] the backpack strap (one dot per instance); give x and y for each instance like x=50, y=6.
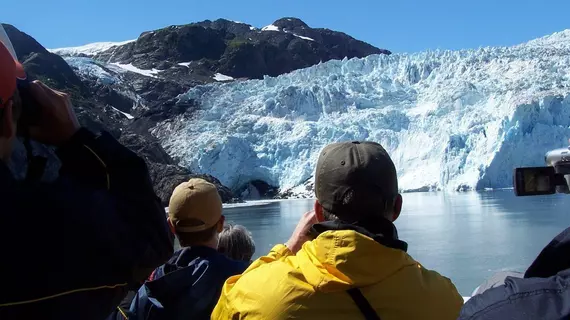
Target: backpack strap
x=363, y=304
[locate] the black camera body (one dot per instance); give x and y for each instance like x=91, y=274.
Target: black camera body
x=554, y=178
x=30, y=110
x=30, y=116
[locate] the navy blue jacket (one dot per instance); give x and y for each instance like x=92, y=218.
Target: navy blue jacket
x=188, y=286
x=71, y=248
x=544, y=292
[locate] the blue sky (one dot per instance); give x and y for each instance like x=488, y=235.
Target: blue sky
x=397, y=25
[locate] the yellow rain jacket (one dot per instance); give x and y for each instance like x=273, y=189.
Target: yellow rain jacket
x=312, y=284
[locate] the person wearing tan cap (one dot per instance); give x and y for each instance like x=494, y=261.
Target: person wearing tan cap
x=189, y=284
x=195, y=213
x=344, y=259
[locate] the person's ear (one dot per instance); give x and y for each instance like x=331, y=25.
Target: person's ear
x=171, y=225
x=397, y=209
x=8, y=126
x=319, y=211
x=220, y=225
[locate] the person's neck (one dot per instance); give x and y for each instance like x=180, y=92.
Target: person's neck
x=213, y=243
x=380, y=229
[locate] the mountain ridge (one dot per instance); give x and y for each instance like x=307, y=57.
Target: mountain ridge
x=235, y=49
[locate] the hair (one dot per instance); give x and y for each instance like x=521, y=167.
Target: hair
x=236, y=243
x=329, y=216
x=188, y=239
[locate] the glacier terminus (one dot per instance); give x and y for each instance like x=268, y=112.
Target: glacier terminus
x=451, y=120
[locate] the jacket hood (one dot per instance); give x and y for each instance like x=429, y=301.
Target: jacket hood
x=340, y=259
x=180, y=272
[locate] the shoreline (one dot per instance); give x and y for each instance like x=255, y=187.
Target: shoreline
x=266, y=202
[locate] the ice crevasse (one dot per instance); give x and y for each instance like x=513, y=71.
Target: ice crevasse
x=451, y=120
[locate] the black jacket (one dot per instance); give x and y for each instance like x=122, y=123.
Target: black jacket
x=71, y=248
x=544, y=293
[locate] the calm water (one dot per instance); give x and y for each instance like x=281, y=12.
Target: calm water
x=466, y=236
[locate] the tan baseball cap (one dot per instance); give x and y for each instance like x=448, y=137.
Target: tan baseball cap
x=195, y=206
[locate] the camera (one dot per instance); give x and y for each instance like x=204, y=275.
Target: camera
x=30, y=110
x=554, y=178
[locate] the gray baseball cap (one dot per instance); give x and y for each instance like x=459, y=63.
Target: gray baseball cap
x=355, y=179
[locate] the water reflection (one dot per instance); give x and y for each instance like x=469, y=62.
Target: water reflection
x=465, y=236
x=271, y=223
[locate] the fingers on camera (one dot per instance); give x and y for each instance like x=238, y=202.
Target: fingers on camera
x=41, y=89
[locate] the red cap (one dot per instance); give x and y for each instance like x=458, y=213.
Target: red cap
x=10, y=69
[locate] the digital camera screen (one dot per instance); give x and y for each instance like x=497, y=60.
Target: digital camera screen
x=536, y=181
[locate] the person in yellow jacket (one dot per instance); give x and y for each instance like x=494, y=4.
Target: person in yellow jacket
x=344, y=259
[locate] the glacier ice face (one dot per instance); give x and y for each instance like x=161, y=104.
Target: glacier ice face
x=449, y=119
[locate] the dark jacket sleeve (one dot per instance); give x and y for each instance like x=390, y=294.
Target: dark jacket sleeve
x=530, y=298
x=98, y=228
x=104, y=165
x=554, y=258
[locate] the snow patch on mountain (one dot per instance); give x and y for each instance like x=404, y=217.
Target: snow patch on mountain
x=88, y=50
x=451, y=120
x=127, y=115
x=222, y=77
x=270, y=28
x=302, y=37
x=129, y=67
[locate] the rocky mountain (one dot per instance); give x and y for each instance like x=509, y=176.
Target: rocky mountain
x=94, y=108
x=196, y=52
x=129, y=87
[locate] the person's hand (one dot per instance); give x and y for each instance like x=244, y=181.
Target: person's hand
x=58, y=122
x=301, y=233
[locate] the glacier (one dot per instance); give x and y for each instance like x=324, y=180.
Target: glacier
x=451, y=120
x=87, y=68
x=88, y=50
x=110, y=74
